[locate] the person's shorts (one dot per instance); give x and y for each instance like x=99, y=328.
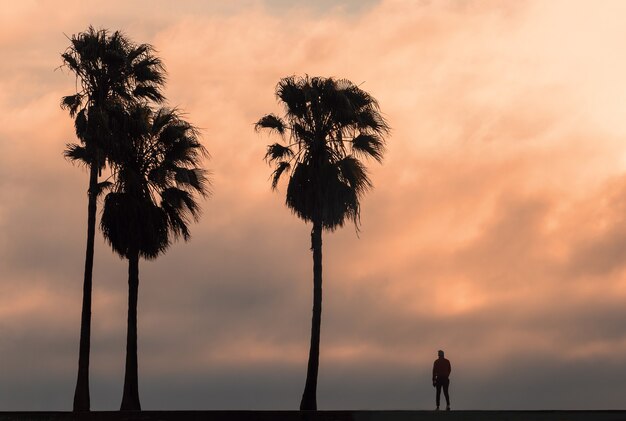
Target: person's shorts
x=442, y=382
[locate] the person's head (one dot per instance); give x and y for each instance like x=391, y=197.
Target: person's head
x=440, y=353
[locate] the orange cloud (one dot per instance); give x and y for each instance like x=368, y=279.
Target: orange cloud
x=495, y=229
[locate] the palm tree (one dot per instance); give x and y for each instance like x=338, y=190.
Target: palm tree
x=111, y=72
x=328, y=125
x=152, y=202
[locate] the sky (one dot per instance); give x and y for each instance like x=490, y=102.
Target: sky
x=496, y=229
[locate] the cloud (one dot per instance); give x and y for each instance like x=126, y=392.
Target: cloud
x=495, y=230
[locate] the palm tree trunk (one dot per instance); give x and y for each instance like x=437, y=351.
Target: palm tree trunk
x=309, y=397
x=130, y=398
x=81, y=393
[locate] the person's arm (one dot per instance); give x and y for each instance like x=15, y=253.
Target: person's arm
x=449, y=368
x=434, y=371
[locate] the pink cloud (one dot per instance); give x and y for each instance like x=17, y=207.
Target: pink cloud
x=495, y=229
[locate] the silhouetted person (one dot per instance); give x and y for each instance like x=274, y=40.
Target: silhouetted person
x=441, y=374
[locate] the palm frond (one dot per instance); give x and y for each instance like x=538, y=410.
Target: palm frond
x=355, y=174
x=180, y=207
x=102, y=187
x=277, y=151
x=192, y=178
x=149, y=70
x=369, y=145
x=138, y=51
x=119, y=221
x=81, y=125
x=131, y=223
x=302, y=134
x=176, y=222
x=70, y=61
x=181, y=200
x=72, y=103
x=292, y=92
x=358, y=98
x=201, y=184
x=77, y=154
x=175, y=131
x=366, y=120
x=281, y=167
x=161, y=118
x=149, y=92
x=271, y=122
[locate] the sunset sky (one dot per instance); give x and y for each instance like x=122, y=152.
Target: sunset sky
x=496, y=229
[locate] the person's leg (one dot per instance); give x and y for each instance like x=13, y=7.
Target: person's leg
x=445, y=392
x=438, y=396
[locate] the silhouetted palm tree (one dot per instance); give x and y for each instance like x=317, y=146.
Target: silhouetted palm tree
x=111, y=72
x=151, y=202
x=328, y=125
